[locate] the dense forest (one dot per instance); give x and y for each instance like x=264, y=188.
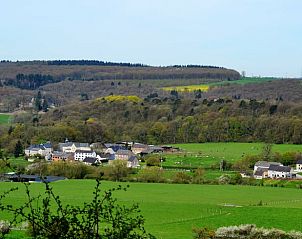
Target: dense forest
x=30, y=82
x=97, y=70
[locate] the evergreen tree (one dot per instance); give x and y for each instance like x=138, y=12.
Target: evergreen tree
x=44, y=105
x=18, y=149
x=38, y=102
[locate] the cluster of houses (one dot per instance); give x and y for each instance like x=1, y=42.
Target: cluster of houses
x=275, y=170
x=95, y=153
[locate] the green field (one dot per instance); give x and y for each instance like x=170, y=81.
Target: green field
x=4, y=119
x=171, y=211
x=208, y=154
x=247, y=80
x=208, y=86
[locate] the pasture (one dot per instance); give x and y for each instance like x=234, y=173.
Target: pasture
x=171, y=211
x=208, y=154
x=4, y=118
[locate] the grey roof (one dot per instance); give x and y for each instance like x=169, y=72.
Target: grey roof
x=156, y=148
x=299, y=161
x=84, y=151
x=90, y=160
x=47, y=145
x=265, y=164
x=262, y=164
x=69, y=144
x=279, y=168
x=147, y=151
x=115, y=147
x=111, y=157
x=61, y=154
x=124, y=152
x=81, y=145
x=132, y=158
x=260, y=171
x=139, y=145
x=36, y=147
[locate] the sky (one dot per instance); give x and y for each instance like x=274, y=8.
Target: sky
x=260, y=37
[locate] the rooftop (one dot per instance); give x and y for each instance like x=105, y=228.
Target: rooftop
x=278, y=168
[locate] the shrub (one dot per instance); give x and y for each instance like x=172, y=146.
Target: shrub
x=151, y=174
x=117, y=170
x=4, y=228
x=181, y=177
x=153, y=160
x=198, y=176
x=203, y=233
x=224, y=179
x=245, y=232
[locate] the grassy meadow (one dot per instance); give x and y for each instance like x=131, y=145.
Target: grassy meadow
x=208, y=154
x=172, y=210
x=4, y=118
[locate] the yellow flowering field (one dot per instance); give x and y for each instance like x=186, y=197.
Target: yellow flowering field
x=120, y=98
x=187, y=88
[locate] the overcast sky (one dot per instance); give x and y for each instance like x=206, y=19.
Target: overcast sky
x=261, y=37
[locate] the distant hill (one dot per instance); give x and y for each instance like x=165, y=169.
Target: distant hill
x=31, y=75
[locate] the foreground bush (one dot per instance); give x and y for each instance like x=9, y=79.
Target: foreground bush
x=4, y=228
x=245, y=232
x=103, y=217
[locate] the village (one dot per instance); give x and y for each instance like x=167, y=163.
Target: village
x=96, y=153
x=131, y=152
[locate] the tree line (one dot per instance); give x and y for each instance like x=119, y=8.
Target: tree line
x=94, y=63
x=31, y=81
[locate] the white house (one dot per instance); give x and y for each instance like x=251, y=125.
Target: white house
x=275, y=171
x=71, y=147
x=80, y=155
x=44, y=150
x=265, y=165
x=299, y=166
x=132, y=162
x=261, y=169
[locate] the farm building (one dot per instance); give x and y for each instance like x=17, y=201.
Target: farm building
x=132, y=162
x=71, y=147
x=276, y=171
x=265, y=165
x=61, y=156
x=299, y=166
x=264, y=169
x=91, y=161
x=80, y=155
x=39, y=149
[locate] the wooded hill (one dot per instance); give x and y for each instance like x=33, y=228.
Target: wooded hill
x=67, y=81
x=157, y=120
x=32, y=75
